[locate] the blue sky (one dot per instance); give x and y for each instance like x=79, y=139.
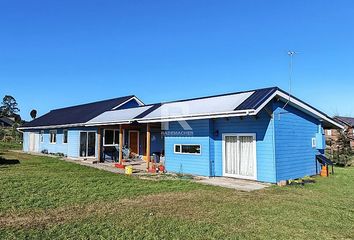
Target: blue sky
x=60, y=53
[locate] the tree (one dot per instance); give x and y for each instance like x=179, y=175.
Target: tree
x=33, y=113
x=344, y=150
x=9, y=106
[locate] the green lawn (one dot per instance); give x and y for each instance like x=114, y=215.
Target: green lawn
x=46, y=198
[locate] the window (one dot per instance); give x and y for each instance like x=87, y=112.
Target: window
x=329, y=132
x=65, y=136
x=111, y=137
x=42, y=136
x=187, y=148
x=53, y=136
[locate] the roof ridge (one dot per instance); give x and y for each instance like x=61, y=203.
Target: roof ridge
x=217, y=95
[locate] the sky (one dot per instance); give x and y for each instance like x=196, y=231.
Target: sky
x=61, y=53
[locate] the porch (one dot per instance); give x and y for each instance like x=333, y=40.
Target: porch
x=142, y=146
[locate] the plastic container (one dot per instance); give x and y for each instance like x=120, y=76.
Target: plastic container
x=128, y=170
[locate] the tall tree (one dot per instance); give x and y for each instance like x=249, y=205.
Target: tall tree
x=9, y=106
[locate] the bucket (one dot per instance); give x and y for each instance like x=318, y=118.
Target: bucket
x=324, y=171
x=128, y=170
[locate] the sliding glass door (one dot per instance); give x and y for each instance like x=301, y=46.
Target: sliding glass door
x=87, y=144
x=239, y=154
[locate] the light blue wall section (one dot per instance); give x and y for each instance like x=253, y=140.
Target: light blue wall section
x=25, y=144
x=71, y=149
x=294, y=130
x=263, y=127
x=188, y=163
x=58, y=147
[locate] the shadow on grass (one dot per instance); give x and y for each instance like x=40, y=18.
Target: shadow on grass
x=4, y=161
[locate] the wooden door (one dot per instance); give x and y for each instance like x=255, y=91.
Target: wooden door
x=134, y=142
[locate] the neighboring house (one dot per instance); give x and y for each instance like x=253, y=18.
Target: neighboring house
x=333, y=134
x=264, y=134
x=6, y=122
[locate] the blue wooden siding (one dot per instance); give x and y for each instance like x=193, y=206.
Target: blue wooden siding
x=208, y=133
x=294, y=154
x=263, y=127
x=130, y=104
x=188, y=163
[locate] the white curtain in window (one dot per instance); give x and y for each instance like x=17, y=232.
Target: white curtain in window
x=231, y=155
x=246, y=156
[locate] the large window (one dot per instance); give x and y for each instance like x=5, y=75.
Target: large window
x=65, y=136
x=53, y=136
x=187, y=148
x=111, y=137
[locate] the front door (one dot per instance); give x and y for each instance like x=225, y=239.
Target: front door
x=239, y=155
x=134, y=142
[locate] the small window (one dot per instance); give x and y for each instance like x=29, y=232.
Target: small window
x=53, y=136
x=111, y=137
x=65, y=136
x=187, y=148
x=329, y=132
x=42, y=136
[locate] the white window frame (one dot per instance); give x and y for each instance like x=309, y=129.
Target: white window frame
x=41, y=136
x=224, y=135
x=67, y=136
x=329, y=132
x=185, y=144
x=114, y=136
x=50, y=136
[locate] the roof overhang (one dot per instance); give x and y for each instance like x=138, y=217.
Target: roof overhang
x=295, y=102
x=52, y=126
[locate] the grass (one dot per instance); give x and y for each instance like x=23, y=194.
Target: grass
x=46, y=198
x=10, y=145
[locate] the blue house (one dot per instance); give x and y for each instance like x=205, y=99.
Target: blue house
x=265, y=134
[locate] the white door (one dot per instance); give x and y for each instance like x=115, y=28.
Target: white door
x=239, y=156
x=33, y=142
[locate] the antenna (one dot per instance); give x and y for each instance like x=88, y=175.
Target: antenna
x=291, y=55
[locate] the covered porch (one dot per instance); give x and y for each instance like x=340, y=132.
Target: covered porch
x=140, y=145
